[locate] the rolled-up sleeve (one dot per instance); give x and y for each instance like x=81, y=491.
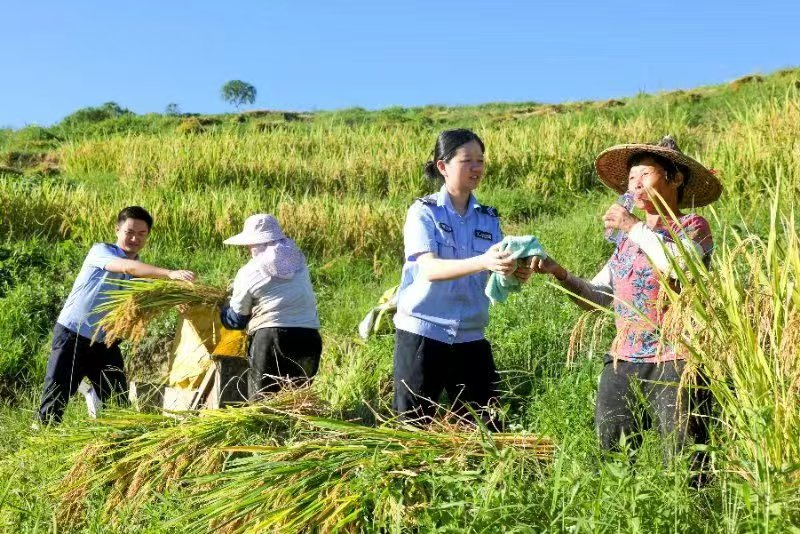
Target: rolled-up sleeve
x=419, y=232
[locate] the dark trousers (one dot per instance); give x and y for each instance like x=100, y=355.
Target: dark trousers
x=281, y=356
x=73, y=357
x=632, y=397
x=423, y=367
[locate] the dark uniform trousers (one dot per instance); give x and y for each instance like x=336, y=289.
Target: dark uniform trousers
x=73, y=357
x=424, y=367
x=281, y=356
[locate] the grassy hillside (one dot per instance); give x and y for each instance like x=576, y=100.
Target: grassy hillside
x=340, y=183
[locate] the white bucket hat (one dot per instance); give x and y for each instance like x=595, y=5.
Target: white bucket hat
x=258, y=229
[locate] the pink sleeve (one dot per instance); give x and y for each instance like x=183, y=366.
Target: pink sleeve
x=697, y=229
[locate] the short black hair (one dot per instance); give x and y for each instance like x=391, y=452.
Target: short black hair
x=447, y=144
x=135, y=212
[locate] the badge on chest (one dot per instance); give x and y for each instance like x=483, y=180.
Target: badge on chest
x=480, y=234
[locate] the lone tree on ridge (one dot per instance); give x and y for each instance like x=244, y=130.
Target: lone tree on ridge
x=237, y=92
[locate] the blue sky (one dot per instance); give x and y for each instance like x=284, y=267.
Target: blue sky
x=60, y=56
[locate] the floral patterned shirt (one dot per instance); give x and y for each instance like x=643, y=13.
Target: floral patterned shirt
x=636, y=289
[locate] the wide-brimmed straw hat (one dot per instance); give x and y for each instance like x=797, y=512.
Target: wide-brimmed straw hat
x=701, y=186
x=258, y=229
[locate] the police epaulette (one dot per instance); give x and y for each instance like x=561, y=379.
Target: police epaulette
x=427, y=200
x=488, y=210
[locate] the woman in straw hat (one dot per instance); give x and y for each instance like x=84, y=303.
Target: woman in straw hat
x=662, y=181
x=273, y=298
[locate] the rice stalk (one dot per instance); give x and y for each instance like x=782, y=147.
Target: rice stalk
x=134, y=457
x=131, y=308
x=282, y=464
x=739, y=324
x=586, y=334
x=72, y=504
x=336, y=475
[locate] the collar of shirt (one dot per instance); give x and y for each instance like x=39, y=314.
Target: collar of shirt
x=443, y=199
x=122, y=253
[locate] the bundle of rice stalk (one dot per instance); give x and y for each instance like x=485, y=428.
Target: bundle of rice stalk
x=138, y=302
x=337, y=475
x=131, y=458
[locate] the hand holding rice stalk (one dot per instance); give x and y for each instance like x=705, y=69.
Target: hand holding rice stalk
x=131, y=308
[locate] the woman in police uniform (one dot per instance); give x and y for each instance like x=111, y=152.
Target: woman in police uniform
x=450, y=247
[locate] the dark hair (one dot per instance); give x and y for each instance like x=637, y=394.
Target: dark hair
x=671, y=169
x=135, y=212
x=447, y=144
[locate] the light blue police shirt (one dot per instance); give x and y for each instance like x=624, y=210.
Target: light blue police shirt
x=453, y=311
x=87, y=292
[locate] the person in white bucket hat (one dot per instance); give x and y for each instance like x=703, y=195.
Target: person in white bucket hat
x=272, y=297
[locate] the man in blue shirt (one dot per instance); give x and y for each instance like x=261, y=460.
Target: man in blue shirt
x=78, y=348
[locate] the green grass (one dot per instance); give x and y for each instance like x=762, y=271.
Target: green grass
x=340, y=182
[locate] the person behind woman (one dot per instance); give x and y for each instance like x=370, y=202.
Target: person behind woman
x=662, y=181
x=450, y=245
x=273, y=298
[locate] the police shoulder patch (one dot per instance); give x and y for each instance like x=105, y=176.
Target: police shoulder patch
x=488, y=210
x=427, y=200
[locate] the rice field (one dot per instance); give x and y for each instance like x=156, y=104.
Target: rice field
x=331, y=457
